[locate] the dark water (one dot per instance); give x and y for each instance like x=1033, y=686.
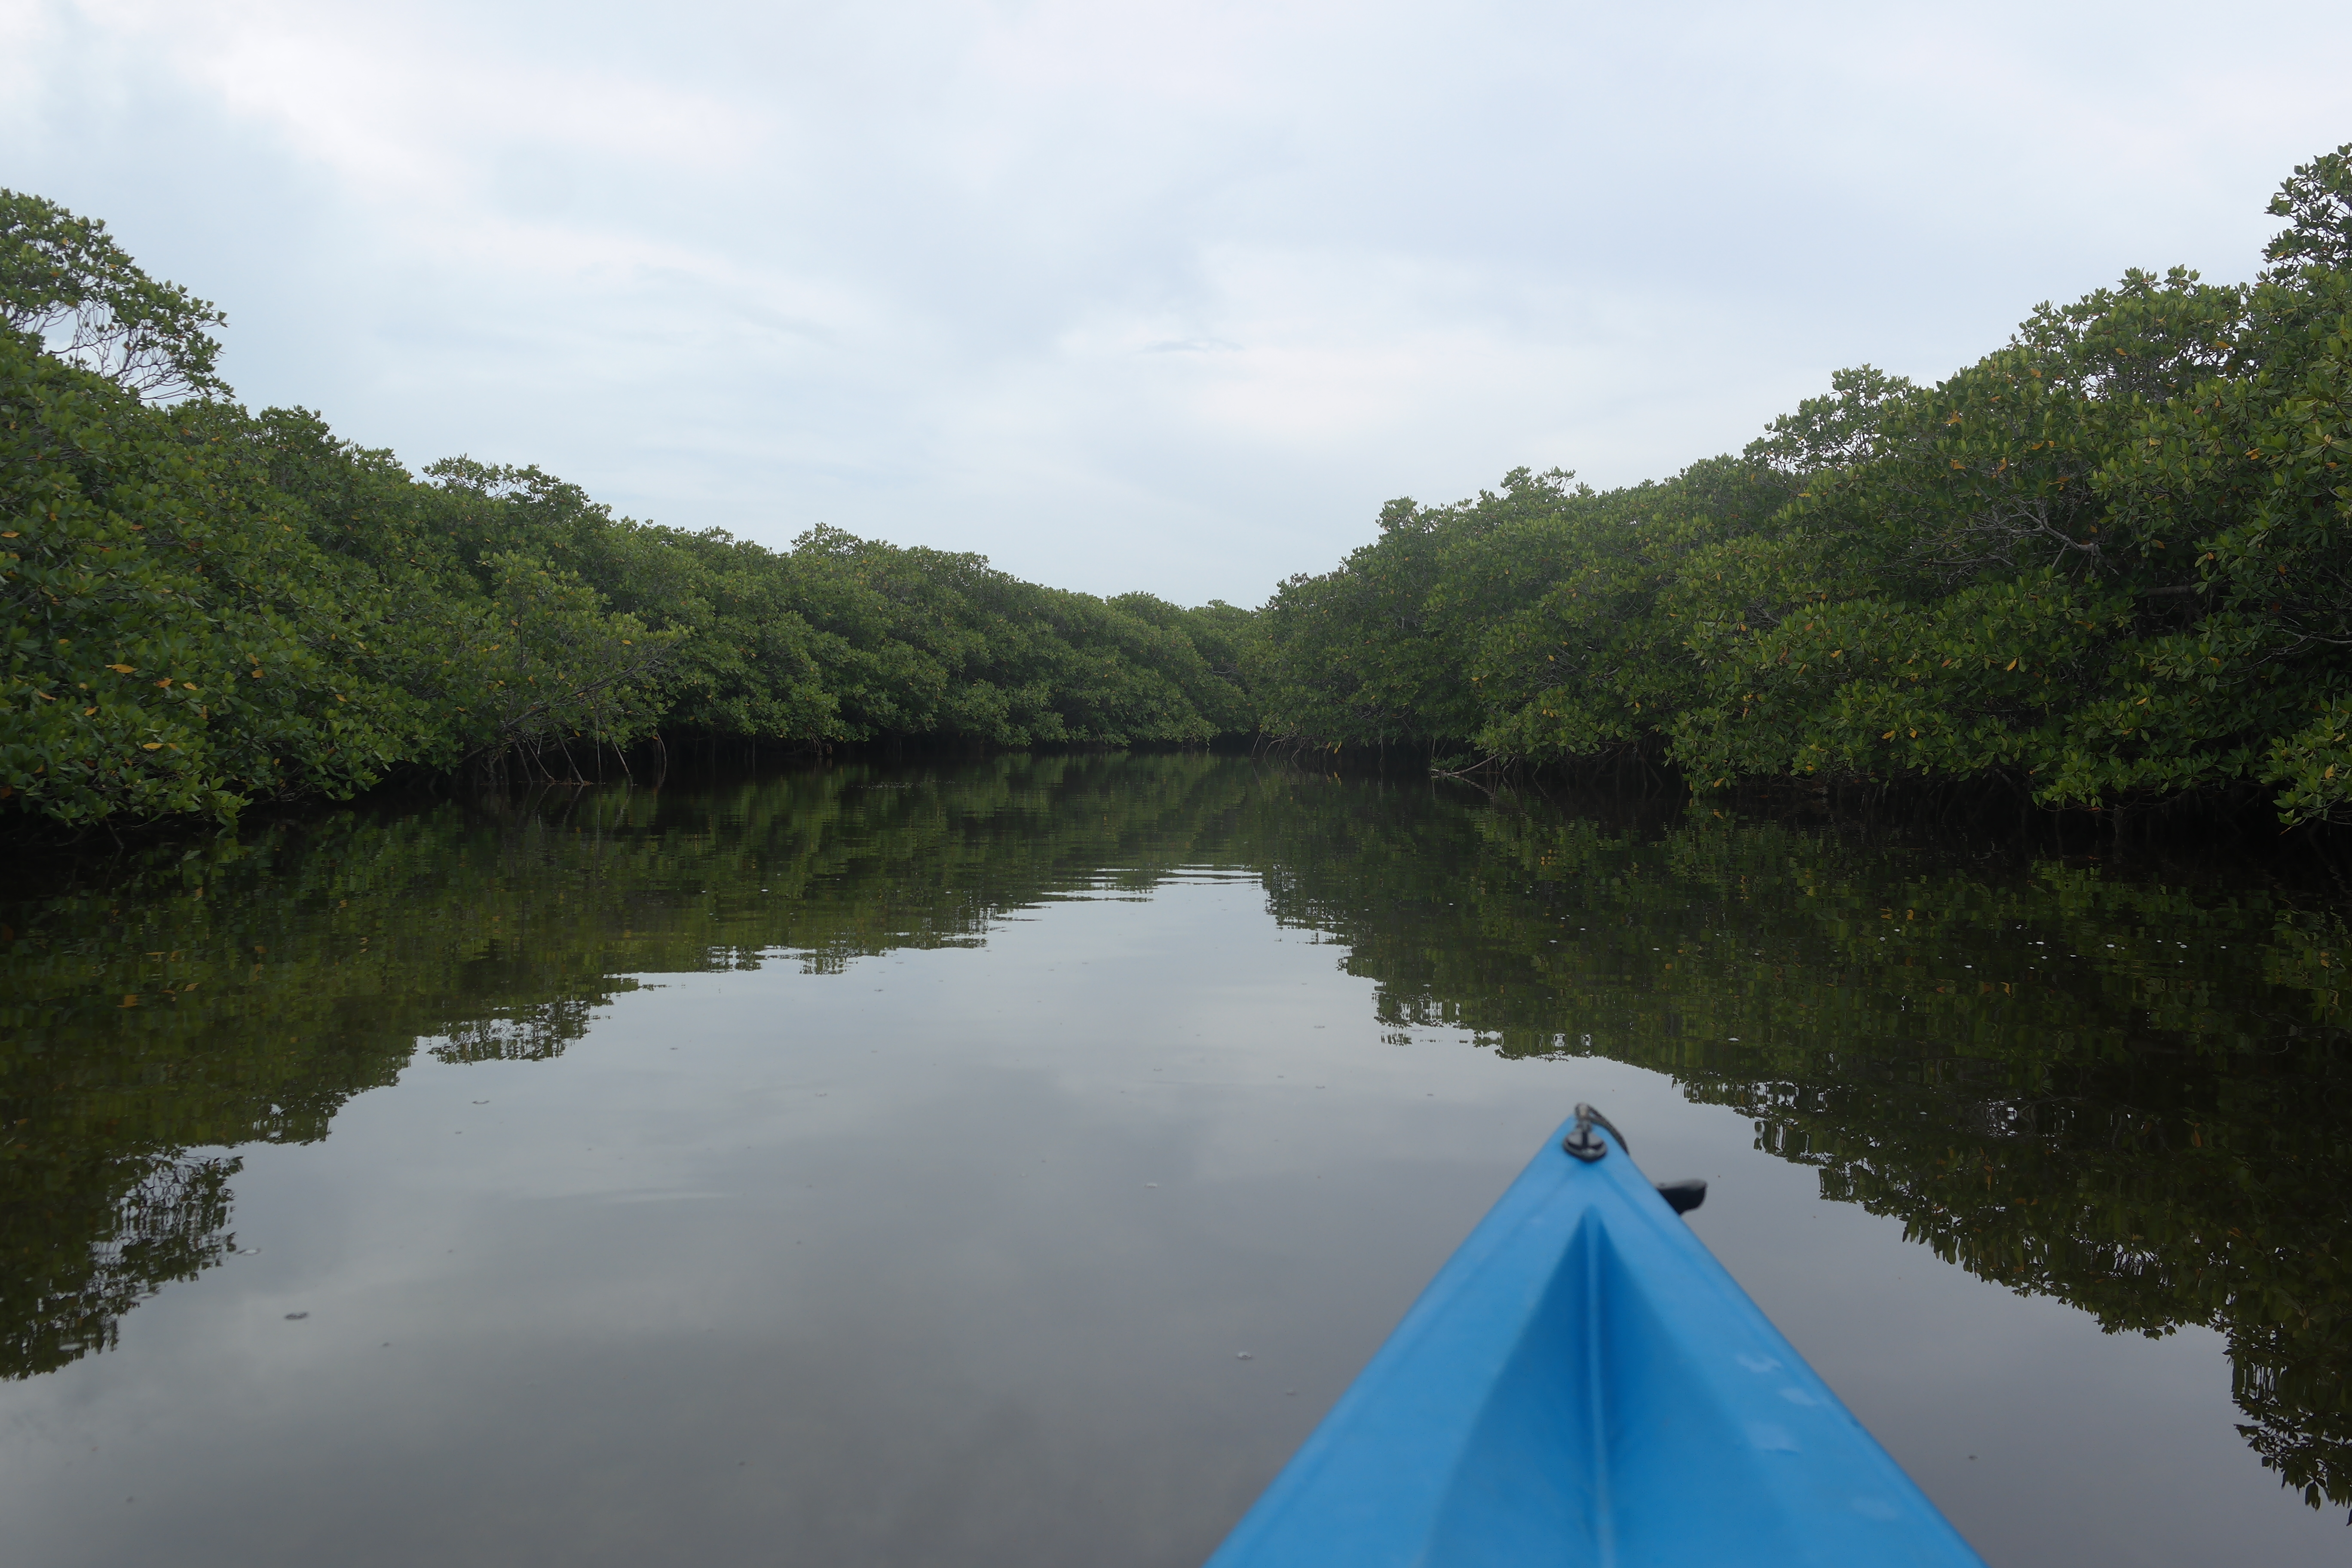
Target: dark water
x=893, y=1166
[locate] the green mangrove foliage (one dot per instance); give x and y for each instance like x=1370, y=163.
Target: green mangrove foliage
x=2121, y=1086
x=2111, y=561
x=2107, y=563
x=207, y=606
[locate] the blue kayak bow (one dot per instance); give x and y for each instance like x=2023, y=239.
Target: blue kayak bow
x=1584, y=1384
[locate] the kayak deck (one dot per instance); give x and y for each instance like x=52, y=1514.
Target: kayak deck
x=1584, y=1384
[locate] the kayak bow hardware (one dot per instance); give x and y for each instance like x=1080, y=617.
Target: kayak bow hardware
x=1588, y=1146
x=1683, y=1196
x=1585, y=1143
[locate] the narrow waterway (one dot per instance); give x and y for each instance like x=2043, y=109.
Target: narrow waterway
x=1009, y=1163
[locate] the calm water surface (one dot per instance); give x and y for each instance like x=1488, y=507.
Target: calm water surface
x=895, y=1167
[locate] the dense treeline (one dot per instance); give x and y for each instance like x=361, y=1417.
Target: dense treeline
x=2110, y=562
x=207, y=606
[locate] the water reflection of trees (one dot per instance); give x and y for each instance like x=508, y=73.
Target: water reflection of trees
x=2126, y=1090
x=83, y=1252
x=241, y=992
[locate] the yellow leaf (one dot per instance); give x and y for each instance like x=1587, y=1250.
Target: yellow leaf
x=150, y=745
x=2012, y=664
x=124, y=668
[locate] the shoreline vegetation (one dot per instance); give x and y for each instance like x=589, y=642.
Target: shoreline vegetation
x=2109, y=565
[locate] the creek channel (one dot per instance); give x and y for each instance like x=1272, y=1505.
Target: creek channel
x=1008, y=1163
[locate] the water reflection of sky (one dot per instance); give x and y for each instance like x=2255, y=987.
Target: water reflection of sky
x=953, y=1255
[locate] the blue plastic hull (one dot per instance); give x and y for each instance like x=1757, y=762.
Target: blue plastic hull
x=1584, y=1384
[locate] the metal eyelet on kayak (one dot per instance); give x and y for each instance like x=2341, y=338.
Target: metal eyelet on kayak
x=1585, y=1143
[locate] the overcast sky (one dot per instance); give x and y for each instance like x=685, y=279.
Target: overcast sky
x=1168, y=296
